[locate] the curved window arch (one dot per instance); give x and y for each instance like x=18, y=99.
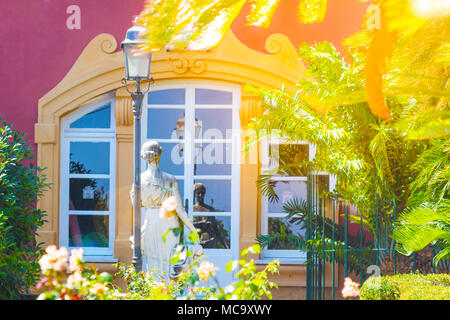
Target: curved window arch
x=87, y=191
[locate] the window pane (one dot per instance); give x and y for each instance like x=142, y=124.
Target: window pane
x=286, y=230
x=165, y=123
x=88, y=231
x=99, y=118
x=215, y=123
x=89, y=157
x=215, y=231
x=208, y=96
x=213, y=159
x=287, y=191
x=89, y=194
x=169, y=96
x=172, y=158
x=285, y=155
x=212, y=195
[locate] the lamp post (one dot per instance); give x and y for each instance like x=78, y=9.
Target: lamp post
x=137, y=68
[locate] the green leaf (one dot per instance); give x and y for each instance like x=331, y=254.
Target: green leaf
x=193, y=236
x=232, y=265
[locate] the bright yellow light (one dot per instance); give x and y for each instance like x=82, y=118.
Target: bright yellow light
x=430, y=8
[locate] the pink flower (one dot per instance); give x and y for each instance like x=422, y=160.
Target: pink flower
x=206, y=269
x=54, y=259
x=351, y=289
x=168, y=208
x=76, y=259
x=75, y=278
x=98, y=289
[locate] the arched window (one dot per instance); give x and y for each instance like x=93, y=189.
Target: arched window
x=87, y=187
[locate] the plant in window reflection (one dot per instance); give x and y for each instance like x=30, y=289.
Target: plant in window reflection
x=97, y=202
x=285, y=233
x=212, y=232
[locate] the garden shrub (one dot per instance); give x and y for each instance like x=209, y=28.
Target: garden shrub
x=21, y=184
x=407, y=287
x=70, y=278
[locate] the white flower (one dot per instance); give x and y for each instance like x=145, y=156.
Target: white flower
x=54, y=259
x=206, y=269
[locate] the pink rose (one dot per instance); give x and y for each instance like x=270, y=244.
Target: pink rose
x=54, y=259
x=168, y=208
x=98, y=289
x=76, y=260
x=206, y=269
x=351, y=289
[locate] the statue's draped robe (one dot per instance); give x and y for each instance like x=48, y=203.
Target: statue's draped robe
x=157, y=186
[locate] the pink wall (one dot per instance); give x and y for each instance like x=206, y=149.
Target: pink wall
x=37, y=49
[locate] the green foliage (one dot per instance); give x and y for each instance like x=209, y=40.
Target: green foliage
x=378, y=164
x=369, y=156
x=432, y=181
x=251, y=284
x=407, y=287
x=427, y=220
x=151, y=286
x=201, y=24
x=21, y=185
x=425, y=225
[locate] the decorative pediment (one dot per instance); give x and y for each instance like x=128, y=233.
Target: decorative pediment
x=100, y=67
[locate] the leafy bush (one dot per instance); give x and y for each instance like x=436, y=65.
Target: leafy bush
x=70, y=278
x=21, y=185
x=407, y=287
x=199, y=281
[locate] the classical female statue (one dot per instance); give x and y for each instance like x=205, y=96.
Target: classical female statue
x=156, y=187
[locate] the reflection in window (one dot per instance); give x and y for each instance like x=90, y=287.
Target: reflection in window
x=99, y=118
x=167, y=97
x=89, y=157
x=163, y=123
x=287, y=191
x=88, y=231
x=172, y=158
x=89, y=194
x=212, y=196
x=289, y=157
x=284, y=228
x=214, y=123
x=208, y=96
x=213, y=159
x=215, y=231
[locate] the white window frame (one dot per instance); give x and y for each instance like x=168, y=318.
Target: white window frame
x=294, y=256
x=91, y=254
x=234, y=140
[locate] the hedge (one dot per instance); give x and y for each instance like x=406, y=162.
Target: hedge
x=407, y=287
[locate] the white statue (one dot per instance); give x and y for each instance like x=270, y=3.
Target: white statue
x=157, y=186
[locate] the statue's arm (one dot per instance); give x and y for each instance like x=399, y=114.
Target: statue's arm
x=180, y=208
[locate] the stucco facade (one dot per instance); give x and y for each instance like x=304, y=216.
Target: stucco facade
x=47, y=78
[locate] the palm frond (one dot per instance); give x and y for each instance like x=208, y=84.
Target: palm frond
x=423, y=225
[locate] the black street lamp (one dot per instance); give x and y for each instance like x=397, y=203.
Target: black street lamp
x=137, y=68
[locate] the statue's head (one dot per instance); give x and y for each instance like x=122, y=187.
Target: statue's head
x=151, y=152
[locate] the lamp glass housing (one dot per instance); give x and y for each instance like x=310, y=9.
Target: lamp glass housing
x=137, y=62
